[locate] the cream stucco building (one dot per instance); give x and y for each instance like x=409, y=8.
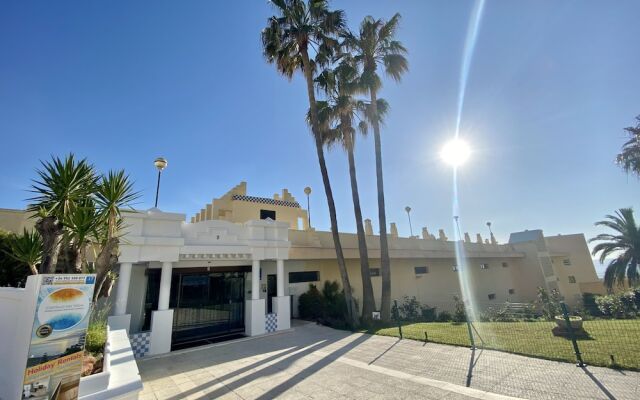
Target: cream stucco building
x=239, y=265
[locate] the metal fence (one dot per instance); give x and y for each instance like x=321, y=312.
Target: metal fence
x=582, y=335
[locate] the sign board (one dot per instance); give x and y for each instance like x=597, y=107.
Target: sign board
x=54, y=363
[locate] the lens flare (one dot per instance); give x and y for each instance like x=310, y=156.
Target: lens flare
x=455, y=153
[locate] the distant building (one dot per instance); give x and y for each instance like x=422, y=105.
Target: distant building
x=240, y=264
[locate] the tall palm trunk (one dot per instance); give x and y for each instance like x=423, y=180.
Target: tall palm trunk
x=351, y=309
x=385, y=264
x=50, y=229
x=368, y=302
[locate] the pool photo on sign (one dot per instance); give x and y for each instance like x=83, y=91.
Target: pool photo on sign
x=63, y=309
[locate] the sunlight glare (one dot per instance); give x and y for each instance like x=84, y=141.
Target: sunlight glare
x=455, y=152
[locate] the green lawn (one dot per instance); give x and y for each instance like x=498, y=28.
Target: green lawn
x=620, y=338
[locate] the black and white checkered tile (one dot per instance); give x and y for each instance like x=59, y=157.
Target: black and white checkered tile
x=140, y=343
x=271, y=323
x=266, y=200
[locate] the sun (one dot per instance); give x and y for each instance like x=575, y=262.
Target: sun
x=455, y=152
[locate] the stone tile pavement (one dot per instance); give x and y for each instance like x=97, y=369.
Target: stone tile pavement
x=316, y=362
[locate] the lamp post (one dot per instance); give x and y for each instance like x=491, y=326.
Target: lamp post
x=307, y=191
x=160, y=163
x=408, y=210
x=489, y=225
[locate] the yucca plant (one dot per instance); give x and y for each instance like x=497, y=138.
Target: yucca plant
x=114, y=192
x=62, y=185
x=27, y=248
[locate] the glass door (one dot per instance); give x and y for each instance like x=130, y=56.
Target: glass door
x=207, y=304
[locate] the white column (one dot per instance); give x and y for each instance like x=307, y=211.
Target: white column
x=123, y=288
x=255, y=280
x=165, y=286
x=280, y=277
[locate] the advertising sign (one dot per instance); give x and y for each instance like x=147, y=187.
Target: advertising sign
x=59, y=329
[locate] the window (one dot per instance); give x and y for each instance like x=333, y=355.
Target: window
x=454, y=268
x=572, y=279
x=264, y=214
x=566, y=262
x=304, y=276
x=484, y=266
x=505, y=264
x=421, y=270
x=492, y=296
x=512, y=291
x=374, y=271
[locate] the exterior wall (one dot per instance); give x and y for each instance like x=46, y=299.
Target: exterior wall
x=15, y=220
x=227, y=208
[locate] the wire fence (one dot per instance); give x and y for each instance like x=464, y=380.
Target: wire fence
x=582, y=334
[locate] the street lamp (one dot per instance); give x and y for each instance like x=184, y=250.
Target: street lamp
x=489, y=225
x=307, y=191
x=160, y=163
x=408, y=210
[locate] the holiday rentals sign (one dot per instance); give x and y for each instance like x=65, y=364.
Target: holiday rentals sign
x=54, y=364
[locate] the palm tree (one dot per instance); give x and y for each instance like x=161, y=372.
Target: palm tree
x=62, y=186
x=81, y=230
x=624, y=244
x=298, y=28
x=629, y=157
x=339, y=86
x=374, y=45
x=114, y=193
x=27, y=249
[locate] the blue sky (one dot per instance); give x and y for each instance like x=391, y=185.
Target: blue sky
x=551, y=87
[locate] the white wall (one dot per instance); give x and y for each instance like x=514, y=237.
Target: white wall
x=17, y=310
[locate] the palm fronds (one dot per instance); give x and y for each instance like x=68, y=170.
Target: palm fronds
x=624, y=244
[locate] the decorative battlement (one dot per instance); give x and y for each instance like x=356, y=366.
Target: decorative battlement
x=265, y=200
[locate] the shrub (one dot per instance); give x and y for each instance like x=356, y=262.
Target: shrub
x=311, y=304
x=619, y=305
x=549, y=303
x=12, y=273
x=409, y=309
x=429, y=314
x=335, y=305
x=459, y=313
x=445, y=316
x=589, y=304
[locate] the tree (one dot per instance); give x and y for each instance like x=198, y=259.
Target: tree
x=376, y=45
x=339, y=85
x=77, y=210
x=298, y=28
x=27, y=249
x=62, y=186
x=629, y=157
x=114, y=193
x=624, y=244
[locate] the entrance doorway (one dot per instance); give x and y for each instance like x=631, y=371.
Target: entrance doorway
x=206, y=305
x=272, y=290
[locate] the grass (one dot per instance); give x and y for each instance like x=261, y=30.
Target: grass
x=620, y=338
x=97, y=330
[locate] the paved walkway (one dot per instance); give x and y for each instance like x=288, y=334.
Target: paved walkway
x=318, y=362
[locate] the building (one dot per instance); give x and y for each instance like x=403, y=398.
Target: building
x=240, y=264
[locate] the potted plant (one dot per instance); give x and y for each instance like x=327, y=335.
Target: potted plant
x=575, y=321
